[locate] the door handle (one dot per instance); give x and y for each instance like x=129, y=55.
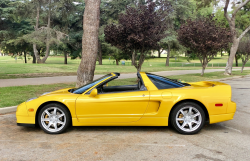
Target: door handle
x=143, y=95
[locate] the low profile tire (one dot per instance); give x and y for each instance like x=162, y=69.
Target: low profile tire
x=187, y=118
x=54, y=118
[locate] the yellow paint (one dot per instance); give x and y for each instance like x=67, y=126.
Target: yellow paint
x=220, y=118
x=122, y=107
x=134, y=108
x=153, y=107
x=25, y=120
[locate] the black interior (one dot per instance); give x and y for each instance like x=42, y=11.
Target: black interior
x=117, y=89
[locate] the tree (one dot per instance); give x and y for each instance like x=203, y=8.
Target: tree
x=139, y=30
x=244, y=52
x=204, y=38
x=86, y=69
x=109, y=12
x=12, y=27
x=235, y=39
x=181, y=11
x=238, y=6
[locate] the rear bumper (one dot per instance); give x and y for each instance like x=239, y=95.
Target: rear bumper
x=224, y=117
x=220, y=118
x=231, y=107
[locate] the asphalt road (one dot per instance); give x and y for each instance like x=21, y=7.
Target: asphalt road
x=228, y=140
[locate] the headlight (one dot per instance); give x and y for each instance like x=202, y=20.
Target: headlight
x=31, y=99
x=45, y=93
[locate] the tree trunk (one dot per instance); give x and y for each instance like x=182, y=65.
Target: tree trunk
x=243, y=65
x=48, y=36
x=168, y=55
x=141, y=60
x=99, y=53
x=38, y=59
x=25, y=58
x=203, y=70
x=86, y=69
x=117, y=61
x=236, y=61
x=221, y=53
x=133, y=59
x=244, y=62
x=34, y=59
x=159, y=53
x=65, y=57
x=204, y=62
x=233, y=50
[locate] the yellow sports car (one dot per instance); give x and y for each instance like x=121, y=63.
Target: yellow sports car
x=153, y=101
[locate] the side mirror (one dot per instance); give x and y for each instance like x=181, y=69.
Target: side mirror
x=93, y=93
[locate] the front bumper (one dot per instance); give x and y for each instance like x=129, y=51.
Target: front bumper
x=22, y=115
x=27, y=125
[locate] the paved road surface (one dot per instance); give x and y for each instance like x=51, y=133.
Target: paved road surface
x=69, y=79
x=228, y=140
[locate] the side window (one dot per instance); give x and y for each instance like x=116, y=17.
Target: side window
x=160, y=84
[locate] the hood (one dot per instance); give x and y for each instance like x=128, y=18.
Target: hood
x=61, y=91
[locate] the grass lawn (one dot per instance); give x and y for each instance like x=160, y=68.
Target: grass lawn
x=54, y=66
x=11, y=96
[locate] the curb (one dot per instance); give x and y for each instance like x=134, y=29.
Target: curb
x=6, y=110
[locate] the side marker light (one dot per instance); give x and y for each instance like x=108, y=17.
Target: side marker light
x=31, y=110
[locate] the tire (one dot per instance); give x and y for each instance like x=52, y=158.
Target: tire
x=187, y=118
x=54, y=118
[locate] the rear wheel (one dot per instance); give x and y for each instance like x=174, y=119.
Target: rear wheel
x=54, y=118
x=187, y=118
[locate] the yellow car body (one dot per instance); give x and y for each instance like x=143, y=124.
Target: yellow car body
x=150, y=107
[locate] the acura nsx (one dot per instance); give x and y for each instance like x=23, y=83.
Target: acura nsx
x=153, y=101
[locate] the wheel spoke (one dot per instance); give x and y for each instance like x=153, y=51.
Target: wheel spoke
x=190, y=126
x=180, y=119
x=55, y=126
x=60, y=122
x=49, y=125
x=46, y=119
x=194, y=121
x=59, y=116
x=55, y=110
x=47, y=112
x=182, y=112
x=184, y=124
x=197, y=114
x=190, y=110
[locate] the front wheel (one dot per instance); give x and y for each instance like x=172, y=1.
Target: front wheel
x=188, y=118
x=54, y=118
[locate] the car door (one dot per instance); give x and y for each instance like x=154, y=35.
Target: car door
x=112, y=107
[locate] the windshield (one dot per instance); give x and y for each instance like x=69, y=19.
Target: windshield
x=84, y=88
